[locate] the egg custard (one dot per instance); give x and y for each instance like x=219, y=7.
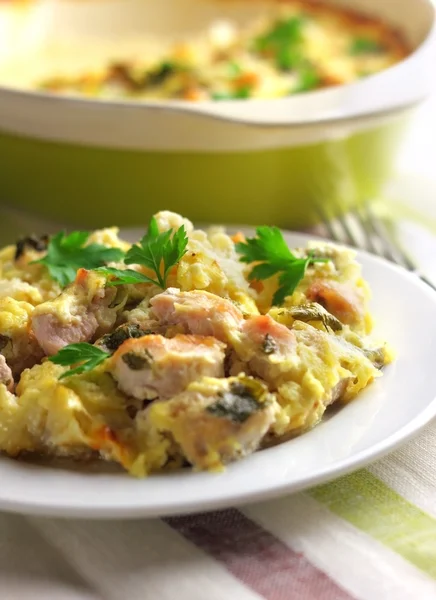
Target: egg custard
x=299, y=46
x=189, y=347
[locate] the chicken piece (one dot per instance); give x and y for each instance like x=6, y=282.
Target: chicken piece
x=346, y=303
x=216, y=421
x=141, y=315
x=267, y=347
x=84, y=310
x=156, y=367
x=325, y=370
x=198, y=312
x=6, y=377
x=17, y=342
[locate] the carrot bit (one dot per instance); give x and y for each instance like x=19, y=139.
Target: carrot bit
x=238, y=237
x=248, y=79
x=81, y=276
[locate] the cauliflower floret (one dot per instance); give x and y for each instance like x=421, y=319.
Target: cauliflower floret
x=36, y=284
x=169, y=220
x=108, y=237
x=212, y=264
x=20, y=290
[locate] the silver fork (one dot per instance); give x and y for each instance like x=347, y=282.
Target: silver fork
x=364, y=230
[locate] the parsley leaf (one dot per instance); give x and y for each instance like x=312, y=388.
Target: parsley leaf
x=158, y=251
x=123, y=276
x=270, y=250
x=234, y=69
x=239, y=94
x=290, y=278
x=68, y=253
x=88, y=355
x=308, y=79
x=363, y=45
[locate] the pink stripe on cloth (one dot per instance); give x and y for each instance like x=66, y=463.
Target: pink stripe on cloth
x=256, y=557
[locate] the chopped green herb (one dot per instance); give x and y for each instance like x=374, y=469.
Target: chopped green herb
x=237, y=404
x=269, y=345
x=308, y=79
x=68, y=253
x=161, y=73
x=240, y=94
x=112, y=341
x=288, y=58
x=234, y=69
x=315, y=312
x=159, y=252
x=221, y=96
x=270, y=250
x=136, y=362
x=362, y=45
x=283, y=42
x=87, y=355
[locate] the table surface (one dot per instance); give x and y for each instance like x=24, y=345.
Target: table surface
x=370, y=535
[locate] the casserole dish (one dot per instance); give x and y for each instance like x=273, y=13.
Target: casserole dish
x=98, y=162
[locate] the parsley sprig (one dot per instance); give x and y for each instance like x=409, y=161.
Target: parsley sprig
x=68, y=253
x=87, y=355
x=270, y=250
x=157, y=251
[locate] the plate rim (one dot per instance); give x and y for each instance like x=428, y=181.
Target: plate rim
x=330, y=472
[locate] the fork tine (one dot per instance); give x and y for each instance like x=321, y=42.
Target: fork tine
x=376, y=236
x=345, y=228
x=327, y=222
x=370, y=245
x=392, y=249
x=346, y=225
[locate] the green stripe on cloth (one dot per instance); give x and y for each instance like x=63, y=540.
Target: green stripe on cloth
x=371, y=506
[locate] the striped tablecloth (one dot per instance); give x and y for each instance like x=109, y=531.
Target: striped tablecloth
x=370, y=536
x=367, y=536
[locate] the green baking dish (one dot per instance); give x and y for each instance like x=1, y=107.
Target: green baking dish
x=101, y=162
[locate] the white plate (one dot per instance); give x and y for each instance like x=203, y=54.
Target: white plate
x=385, y=415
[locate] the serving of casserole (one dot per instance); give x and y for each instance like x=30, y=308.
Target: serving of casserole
x=189, y=347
